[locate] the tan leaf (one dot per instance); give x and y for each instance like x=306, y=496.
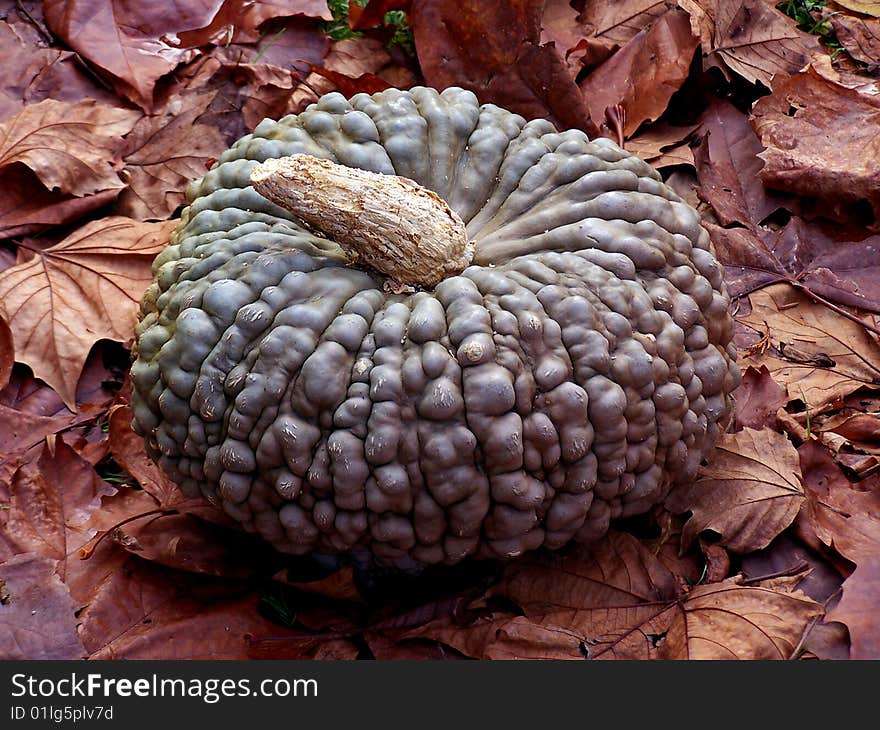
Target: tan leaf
x=818, y=355
x=748, y=493
x=37, y=619
x=730, y=621
x=663, y=145
x=821, y=140
x=68, y=146
x=78, y=291
x=162, y=155
x=865, y=7
x=620, y=21
x=858, y=609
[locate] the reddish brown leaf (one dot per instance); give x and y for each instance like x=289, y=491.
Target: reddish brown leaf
x=146, y=611
x=817, y=354
x=37, y=619
x=751, y=37
x=644, y=74
x=493, y=48
x=620, y=21
x=758, y=398
x=240, y=20
x=559, y=26
x=68, y=146
x=163, y=154
x=26, y=206
x=136, y=43
x=373, y=13
x=748, y=493
x=858, y=609
x=663, y=145
x=821, y=140
x=859, y=36
x=728, y=166
x=95, y=275
x=347, y=86
x=7, y=351
x=50, y=499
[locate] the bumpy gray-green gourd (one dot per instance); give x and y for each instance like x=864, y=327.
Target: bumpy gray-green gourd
x=330, y=415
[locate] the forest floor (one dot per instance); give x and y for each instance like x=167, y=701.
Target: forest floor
x=765, y=117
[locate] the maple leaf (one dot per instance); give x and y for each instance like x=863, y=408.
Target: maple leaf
x=748, y=493
x=644, y=74
x=78, y=291
x=493, y=48
x=818, y=355
x=163, y=154
x=69, y=146
x=37, y=619
x=821, y=140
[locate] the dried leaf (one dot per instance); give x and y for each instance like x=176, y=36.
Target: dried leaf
x=818, y=355
x=163, y=154
x=620, y=21
x=752, y=38
x=859, y=36
x=137, y=43
x=51, y=499
x=7, y=351
x=240, y=20
x=146, y=611
x=758, y=397
x=858, y=609
x=866, y=7
x=663, y=144
x=748, y=493
x=644, y=74
x=559, y=26
x=728, y=167
x=362, y=18
x=68, y=146
x=821, y=140
x=37, y=619
x=96, y=275
x=493, y=48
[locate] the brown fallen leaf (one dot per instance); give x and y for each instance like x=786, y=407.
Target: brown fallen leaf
x=758, y=397
x=644, y=74
x=348, y=86
x=69, y=146
x=559, y=26
x=493, y=48
x=818, y=355
x=821, y=140
x=728, y=166
x=37, y=619
x=146, y=611
x=859, y=36
x=618, y=22
x=663, y=144
x=751, y=37
x=748, y=493
x=136, y=44
x=858, y=609
x=95, y=275
x=51, y=498
x=866, y=7
x=7, y=351
x=373, y=12
x=163, y=154
x=241, y=20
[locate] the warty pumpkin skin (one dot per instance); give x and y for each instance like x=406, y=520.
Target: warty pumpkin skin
x=579, y=367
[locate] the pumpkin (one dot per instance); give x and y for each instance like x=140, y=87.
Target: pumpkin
x=571, y=365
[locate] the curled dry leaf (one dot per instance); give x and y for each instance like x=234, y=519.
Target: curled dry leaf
x=68, y=146
x=618, y=22
x=748, y=493
x=95, y=275
x=858, y=609
x=644, y=74
x=493, y=48
x=821, y=140
x=817, y=354
x=859, y=36
x=37, y=619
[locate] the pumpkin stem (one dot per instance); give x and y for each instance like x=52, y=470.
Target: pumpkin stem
x=384, y=222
